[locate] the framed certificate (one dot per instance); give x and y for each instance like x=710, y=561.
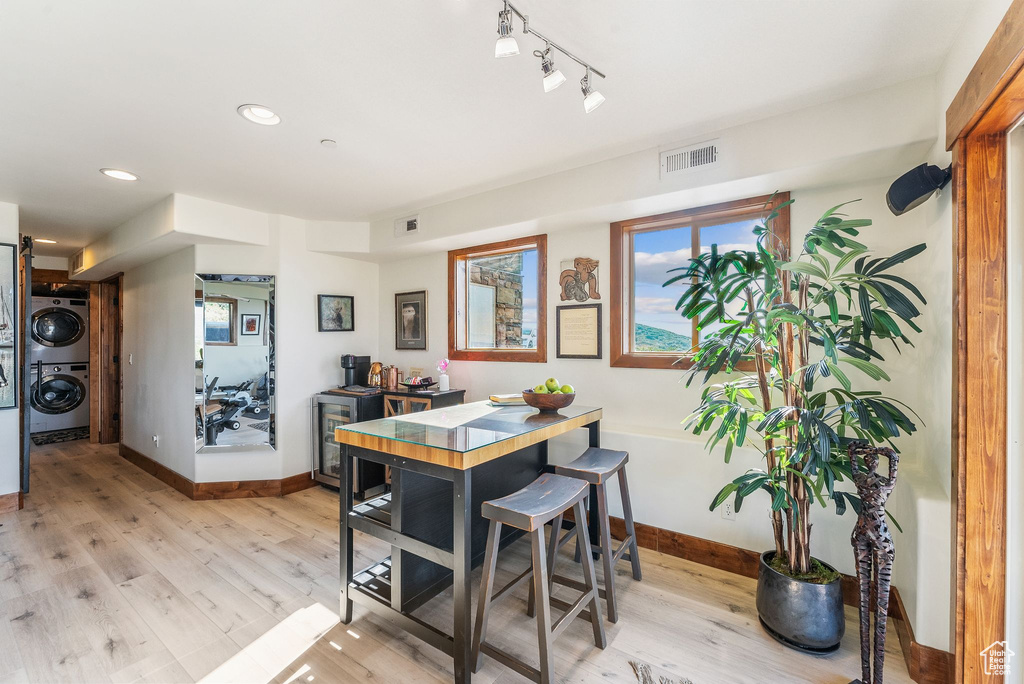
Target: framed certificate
x=578, y=331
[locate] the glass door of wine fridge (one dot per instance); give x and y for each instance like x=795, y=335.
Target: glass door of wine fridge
x=330, y=412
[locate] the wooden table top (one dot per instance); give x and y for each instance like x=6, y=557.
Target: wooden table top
x=466, y=435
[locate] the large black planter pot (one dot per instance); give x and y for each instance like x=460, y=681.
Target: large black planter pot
x=801, y=615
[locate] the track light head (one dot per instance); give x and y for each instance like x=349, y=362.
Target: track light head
x=592, y=99
x=506, y=45
x=915, y=186
x=552, y=76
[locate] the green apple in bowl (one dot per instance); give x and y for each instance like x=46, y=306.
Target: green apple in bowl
x=541, y=389
x=568, y=389
x=552, y=384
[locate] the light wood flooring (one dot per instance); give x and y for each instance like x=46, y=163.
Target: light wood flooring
x=110, y=575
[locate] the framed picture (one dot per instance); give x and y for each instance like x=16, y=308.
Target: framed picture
x=578, y=331
x=8, y=326
x=335, y=313
x=411, y=320
x=250, y=324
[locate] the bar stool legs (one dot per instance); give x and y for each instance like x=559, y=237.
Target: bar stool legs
x=627, y=514
x=552, y=549
x=607, y=558
x=541, y=591
x=541, y=580
x=596, y=466
x=486, y=588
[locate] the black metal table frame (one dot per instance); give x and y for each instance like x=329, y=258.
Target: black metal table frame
x=459, y=559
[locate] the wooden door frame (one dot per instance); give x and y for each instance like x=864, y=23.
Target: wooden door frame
x=988, y=105
x=105, y=339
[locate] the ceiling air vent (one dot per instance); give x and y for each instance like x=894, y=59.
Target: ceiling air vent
x=689, y=158
x=407, y=226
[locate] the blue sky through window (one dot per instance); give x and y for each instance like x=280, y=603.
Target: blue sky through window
x=656, y=252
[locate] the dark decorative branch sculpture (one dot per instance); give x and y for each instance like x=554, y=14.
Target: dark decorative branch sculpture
x=873, y=549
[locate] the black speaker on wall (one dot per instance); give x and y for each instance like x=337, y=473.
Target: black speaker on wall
x=915, y=186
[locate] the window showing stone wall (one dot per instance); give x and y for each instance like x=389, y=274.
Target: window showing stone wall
x=504, y=273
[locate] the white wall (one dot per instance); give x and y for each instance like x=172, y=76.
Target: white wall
x=51, y=262
x=159, y=313
x=158, y=369
x=10, y=480
x=307, y=361
x=855, y=138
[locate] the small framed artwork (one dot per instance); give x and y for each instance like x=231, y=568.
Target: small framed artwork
x=335, y=313
x=411, y=320
x=250, y=324
x=578, y=331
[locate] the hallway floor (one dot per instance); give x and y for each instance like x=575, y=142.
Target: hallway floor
x=110, y=575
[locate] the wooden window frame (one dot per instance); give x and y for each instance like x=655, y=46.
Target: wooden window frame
x=622, y=232
x=232, y=327
x=538, y=355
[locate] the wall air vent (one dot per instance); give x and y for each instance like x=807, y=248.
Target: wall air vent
x=407, y=226
x=76, y=263
x=690, y=158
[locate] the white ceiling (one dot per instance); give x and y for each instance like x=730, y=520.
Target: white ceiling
x=410, y=90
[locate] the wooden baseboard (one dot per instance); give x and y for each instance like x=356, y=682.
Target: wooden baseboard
x=12, y=502
x=925, y=664
x=208, y=491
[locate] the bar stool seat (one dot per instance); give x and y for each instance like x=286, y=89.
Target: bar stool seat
x=544, y=500
x=597, y=466
x=536, y=503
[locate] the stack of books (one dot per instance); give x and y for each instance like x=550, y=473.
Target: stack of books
x=507, y=400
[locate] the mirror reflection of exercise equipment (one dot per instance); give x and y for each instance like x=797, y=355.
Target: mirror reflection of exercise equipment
x=234, y=361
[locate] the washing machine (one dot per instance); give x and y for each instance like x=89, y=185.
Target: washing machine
x=60, y=330
x=60, y=400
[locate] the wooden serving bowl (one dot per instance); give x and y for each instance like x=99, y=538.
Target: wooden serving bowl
x=547, y=402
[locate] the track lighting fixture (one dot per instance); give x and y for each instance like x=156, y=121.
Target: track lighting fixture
x=591, y=98
x=552, y=76
x=508, y=47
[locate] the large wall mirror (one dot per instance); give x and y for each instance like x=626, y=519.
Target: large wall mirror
x=234, y=319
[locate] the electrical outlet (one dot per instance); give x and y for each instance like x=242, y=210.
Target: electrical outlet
x=728, y=512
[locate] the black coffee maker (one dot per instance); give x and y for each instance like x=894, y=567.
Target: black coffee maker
x=357, y=369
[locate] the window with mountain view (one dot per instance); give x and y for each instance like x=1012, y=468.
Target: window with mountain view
x=647, y=331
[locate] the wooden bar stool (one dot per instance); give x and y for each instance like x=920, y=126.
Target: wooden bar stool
x=596, y=466
x=546, y=498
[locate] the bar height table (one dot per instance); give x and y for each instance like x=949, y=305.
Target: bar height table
x=455, y=457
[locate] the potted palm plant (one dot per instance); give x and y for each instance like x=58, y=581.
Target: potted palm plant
x=802, y=333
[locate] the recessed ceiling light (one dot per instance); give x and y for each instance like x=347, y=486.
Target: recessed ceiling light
x=259, y=114
x=45, y=241
x=119, y=174
x=327, y=142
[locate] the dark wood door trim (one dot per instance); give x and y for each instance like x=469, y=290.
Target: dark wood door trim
x=107, y=368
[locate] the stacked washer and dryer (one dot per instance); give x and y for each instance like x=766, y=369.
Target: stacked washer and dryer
x=60, y=363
